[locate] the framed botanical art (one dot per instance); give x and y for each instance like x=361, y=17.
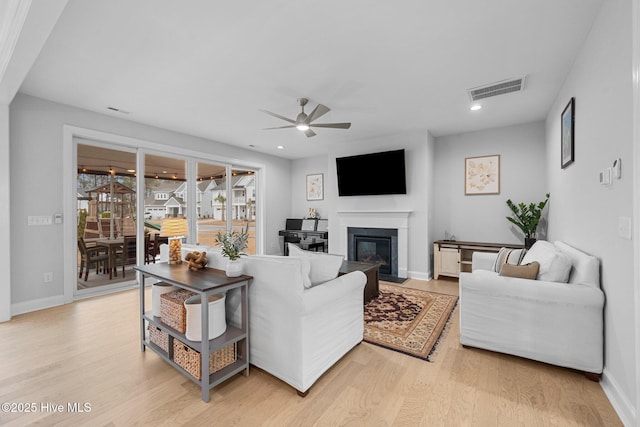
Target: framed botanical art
x=482, y=175
x=567, y=120
x=315, y=186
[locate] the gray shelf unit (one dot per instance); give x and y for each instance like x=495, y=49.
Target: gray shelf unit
x=205, y=282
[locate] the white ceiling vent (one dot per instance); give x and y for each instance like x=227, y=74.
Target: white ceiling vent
x=498, y=88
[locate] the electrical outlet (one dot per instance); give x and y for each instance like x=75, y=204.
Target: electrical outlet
x=47, y=277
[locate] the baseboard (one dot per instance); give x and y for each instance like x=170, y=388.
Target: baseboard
x=36, y=304
x=419, y=275
x=620, y=402
x=54, y=301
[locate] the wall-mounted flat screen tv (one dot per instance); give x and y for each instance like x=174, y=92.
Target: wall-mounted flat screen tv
x=372, y=174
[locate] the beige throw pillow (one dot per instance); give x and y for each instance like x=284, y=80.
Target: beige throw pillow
x=526, y=271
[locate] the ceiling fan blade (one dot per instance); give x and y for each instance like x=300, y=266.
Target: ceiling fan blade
x=309, y=133
x=279, y=116
x=332, y=125
x=281, y=127
x=317, y=112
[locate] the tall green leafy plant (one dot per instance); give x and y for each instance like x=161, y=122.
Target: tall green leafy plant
x=527, y=217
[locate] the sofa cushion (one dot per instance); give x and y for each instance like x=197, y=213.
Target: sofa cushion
x=256, y=263
x=555, y=265
x=323, y=267
x=508, y=256
x=586, y=268
x=525, y=271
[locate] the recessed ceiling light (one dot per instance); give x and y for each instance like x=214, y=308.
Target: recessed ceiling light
x=475, y=107
x=131, y=170
x=280, y=147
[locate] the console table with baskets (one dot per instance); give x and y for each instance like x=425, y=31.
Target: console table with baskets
x=205, y=283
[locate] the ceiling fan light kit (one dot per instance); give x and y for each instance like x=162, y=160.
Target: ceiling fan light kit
x=303, y=122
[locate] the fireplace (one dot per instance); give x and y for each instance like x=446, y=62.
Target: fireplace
x=397, y=220
x=374, y=245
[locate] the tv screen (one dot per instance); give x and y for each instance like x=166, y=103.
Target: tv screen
x=372, y=174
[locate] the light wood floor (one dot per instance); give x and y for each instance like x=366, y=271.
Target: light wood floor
x=89, y=352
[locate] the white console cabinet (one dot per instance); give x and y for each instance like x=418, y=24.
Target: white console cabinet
x=451, y=257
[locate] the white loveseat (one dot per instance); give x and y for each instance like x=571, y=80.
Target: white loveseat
x=549, y=321
x=296, y=334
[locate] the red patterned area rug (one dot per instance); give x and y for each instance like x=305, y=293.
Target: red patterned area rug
x=407, y=320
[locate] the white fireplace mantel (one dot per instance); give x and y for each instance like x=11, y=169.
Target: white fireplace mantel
x=393, y=219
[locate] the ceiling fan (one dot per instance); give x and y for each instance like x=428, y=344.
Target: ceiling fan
x=303, y=122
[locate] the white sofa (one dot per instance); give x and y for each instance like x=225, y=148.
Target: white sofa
x=549, y=321
x=296, y=334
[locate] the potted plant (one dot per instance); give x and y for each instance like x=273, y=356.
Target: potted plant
x=527, y=218
x=233, y=243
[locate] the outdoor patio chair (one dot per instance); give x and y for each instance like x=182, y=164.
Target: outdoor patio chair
x=91, y=256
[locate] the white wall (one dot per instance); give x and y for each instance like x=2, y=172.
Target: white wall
x=299, y=170
x=419, y=169
x=586, y=214
x=36, y=135
x=482, y=218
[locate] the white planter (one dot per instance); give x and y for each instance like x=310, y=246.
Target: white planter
x=156, y=290
x=217, y=317
x=234, y=268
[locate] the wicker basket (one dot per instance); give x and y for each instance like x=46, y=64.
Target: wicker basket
x=159, y=337
x=172, y=311
x=189, y=359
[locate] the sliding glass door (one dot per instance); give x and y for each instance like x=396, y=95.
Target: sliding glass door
x=213, y=196
x=106, y=206
x=225, y=202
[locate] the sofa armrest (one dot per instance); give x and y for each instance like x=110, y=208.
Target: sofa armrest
x=347, y=286
x=483, y=261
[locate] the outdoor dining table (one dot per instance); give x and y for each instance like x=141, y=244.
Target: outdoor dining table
x=112, y=246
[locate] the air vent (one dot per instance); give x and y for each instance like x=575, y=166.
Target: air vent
x=495, y=89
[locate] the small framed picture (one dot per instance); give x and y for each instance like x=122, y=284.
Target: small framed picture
x=567, y=120
x=315, y=186
x=482, y=175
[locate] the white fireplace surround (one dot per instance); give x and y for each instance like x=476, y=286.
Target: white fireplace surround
x=398, y=220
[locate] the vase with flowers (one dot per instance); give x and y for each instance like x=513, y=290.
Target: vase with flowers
x=233, y=244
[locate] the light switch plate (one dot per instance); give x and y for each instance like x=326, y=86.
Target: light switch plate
x=39, y=220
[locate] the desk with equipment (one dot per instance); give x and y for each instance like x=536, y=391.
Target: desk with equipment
x=309, y=234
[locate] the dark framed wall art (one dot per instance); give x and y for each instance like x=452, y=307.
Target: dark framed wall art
x=567, y=139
